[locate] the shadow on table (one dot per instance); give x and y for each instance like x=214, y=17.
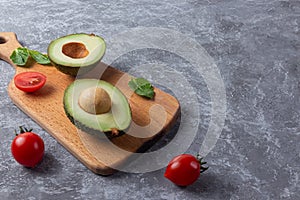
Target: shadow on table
x=209, y=185
x=49, y=165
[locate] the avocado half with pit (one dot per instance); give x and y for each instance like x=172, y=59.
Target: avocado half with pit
x=76, y=53
x=97, y=106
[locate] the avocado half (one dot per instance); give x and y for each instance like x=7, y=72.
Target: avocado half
x=118, y=118
x=76, y=53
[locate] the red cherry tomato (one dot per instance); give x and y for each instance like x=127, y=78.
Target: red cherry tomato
x=28, y=148
x=30, y=81
x=183, y=170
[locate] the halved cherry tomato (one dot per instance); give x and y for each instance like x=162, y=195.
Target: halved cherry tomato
x=30, y=81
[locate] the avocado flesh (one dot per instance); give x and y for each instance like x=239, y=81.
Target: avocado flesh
x=119, y=116
x=94, y=45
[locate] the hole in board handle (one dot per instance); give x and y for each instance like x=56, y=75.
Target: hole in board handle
x=2, y=40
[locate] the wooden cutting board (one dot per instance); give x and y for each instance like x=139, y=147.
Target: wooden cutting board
x=151, y=119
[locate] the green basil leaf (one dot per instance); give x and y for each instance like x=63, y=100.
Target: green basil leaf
x=39, y=57
x=147, y=92
x=20, y=56
x=142, y=82
x=142, y=87
x=133, y=84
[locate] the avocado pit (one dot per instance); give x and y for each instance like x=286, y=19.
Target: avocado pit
x=75, y=50
x=95, y=100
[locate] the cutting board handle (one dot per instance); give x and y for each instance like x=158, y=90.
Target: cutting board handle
x=8, y=43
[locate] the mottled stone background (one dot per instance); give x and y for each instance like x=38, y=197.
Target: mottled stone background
x=256, y=46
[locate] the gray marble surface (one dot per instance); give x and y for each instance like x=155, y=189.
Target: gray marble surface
x=256, y=47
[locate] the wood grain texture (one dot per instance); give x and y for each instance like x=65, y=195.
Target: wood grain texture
x=150, y=118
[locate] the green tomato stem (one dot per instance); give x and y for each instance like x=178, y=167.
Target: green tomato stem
x=201, y=162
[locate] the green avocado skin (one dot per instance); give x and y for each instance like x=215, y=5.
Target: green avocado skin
x=74, y=71
x=91, y=131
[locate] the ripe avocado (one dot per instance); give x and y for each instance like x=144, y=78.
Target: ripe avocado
x=79, y=97
x=76, y=53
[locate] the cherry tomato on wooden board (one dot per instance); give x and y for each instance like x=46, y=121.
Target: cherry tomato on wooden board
x=184, y=169
x=27, y=148
x=30, y=81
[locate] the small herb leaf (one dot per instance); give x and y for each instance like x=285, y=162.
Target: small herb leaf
x=20, y=56
x=133, y=84
x=39, y=57
x=142, y=87
x=147, y=92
